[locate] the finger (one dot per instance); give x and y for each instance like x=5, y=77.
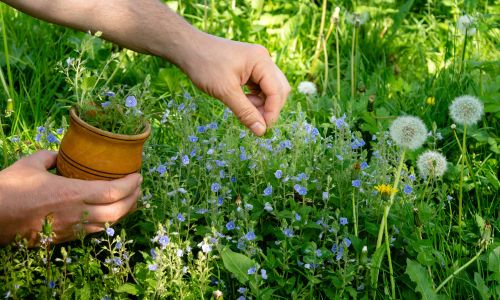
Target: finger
x=113, y=212
x=43, y=159
x=245, y=111
x=256, y=100
x=106, y=192
x=274, y=86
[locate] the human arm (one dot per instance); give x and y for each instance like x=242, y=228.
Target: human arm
x=28, y=193
x=218, y=66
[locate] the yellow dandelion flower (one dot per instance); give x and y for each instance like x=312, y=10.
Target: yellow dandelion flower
x=430, y=100
x=385, y=189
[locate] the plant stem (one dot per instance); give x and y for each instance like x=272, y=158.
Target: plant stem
x=320, y=38
x=325, y=82
x=353, y=46
x=462, y=167
x=391, y=199
x=354, y=212
x=391, y=271
x=459, y=270
x=463, y=55
x=337, y=46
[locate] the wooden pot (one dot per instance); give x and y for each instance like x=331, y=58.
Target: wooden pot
x=90, y=153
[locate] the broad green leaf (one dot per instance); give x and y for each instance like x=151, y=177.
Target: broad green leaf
x=127, y=288
x=481, y=286
x=419, y=275
x=375, y=267
x=237, y=263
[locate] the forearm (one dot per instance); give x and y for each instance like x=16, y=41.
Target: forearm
x=146, y=26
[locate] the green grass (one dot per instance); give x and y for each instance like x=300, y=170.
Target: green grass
x=407, y=52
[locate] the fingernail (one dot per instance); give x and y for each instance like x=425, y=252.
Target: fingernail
x=258, y=128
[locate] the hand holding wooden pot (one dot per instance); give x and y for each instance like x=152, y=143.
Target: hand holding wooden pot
x=90, y=153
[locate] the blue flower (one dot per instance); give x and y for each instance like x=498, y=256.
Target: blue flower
x=268, y=190
x=288, y=232
x=185, y=159
x=163, y=240
x=326, y=196
x=220, y=163
x=250, y=236
x=201, y=129
x=118, y=245
x=230, y=225
x=301, y=176
x=220, y=201
x=52, y=284
x=181, y=107
x=297, y=217
x=109, y=94
x=347, y=242
x=278, y=174
x=242, y=290
x=343, y=221
x=407, y=189
x=356, y=183
x=213, y=125
x=252, y=270
x=38, y=137
x=334, y=248
x=243, y=133
x=161, y=169
x=59, y=130
x=357, y=143
x=40, y=129
x=180, y=217
x=340, y=121
x=130, y=101
x=263, y=273
x=215, y=187
x=340, y=253
x=222, y=174
x=412, y=177
x=300, y=189
x=110, y=231
x=153, y=267
x=339, y=157
x=364, y=165
x=318, y=253
x=117, y=261
x=233, y=179
x=51, y=138
x=193, y=138
x=105, y=104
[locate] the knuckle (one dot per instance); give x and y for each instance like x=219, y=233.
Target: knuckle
x=245, y=114
x=261, y=50
x=110, y=194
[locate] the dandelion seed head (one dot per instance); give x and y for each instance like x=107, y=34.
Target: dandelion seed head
x=431, y=163
x=466, y=110
x=408, y=132
x=465, y=25
x=307, y=88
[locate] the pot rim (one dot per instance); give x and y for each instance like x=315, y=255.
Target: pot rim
x=141, y=136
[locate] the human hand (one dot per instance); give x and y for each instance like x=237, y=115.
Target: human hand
x=28, y=193
x=221, y=67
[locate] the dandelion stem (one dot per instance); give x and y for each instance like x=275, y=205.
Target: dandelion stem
x=391, y=199
x=463, y=54
x=320, y=38
x=459, y=270
x=353, y=46
x=462, y=167
x=391, y=271
x=325, y=82
x=337, y=46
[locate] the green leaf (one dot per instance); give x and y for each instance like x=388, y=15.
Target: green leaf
x=237, y=263
x=127, y=288
x=375, y=267
x=481, y=286
x=419, y=275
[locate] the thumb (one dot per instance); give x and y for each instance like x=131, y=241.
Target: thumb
x=245, y=111
x=42, y=159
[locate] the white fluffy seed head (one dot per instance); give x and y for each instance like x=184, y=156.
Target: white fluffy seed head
x=307, y=88
x=408, y=132
x=465, y=25
x=466, y=110
x=431, y=163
